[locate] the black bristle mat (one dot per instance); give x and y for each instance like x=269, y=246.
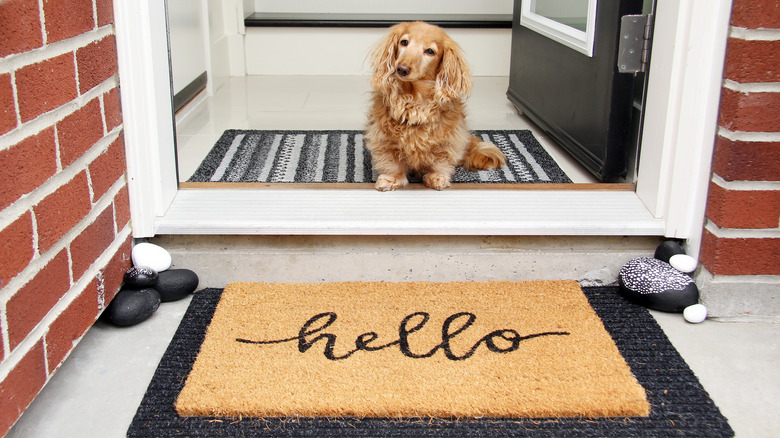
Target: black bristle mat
x=680, y=406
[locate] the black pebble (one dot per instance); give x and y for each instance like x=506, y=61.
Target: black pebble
x=667, y=249
x=175, y=284
x=131, y=306
x=139, y=277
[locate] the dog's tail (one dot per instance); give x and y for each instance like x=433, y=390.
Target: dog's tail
x=482, y=155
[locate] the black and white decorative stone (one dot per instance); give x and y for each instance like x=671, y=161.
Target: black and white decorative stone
x=132, y=306
x=657, y=285
x=139, y=277
x=175, y=284
x=151, y=255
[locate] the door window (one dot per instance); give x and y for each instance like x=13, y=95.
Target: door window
x=569, y=22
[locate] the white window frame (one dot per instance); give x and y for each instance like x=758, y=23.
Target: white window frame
x=677, y=145
x=581, y=41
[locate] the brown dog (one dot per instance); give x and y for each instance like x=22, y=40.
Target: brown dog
x=416, y=123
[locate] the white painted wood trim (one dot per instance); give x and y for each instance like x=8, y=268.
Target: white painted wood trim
x=568, y=36
x=145, y=88
x=677, y=128
x=686, y=75
x=408, y=212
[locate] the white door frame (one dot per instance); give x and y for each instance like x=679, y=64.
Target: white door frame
x=679, y=132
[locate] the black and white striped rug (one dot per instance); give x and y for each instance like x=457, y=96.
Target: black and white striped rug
x=339, y=157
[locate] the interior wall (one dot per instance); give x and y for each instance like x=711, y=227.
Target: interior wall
x=187, y=29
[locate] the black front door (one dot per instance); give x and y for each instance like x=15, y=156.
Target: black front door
x=564, y=76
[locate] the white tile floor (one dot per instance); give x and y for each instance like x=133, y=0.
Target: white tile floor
x=327, y=102
x=97, y=390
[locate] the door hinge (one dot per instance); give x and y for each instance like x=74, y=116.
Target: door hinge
x=634, y=47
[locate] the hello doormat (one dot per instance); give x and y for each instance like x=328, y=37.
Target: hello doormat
x=489, y=349
x=340, y=157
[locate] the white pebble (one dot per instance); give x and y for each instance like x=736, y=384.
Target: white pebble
x=683, y=263
x=151, y=256
x=695, y=313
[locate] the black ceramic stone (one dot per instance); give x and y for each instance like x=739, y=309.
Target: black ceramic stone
x=139, y=277
x=655, y=284
x=132, y=306
x=667, y=249
x=175, y=284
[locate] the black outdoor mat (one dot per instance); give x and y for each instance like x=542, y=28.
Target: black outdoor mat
x=340, y=157
x=679, y=404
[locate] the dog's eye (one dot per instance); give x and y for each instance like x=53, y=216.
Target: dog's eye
x=404, y=43
x=429, y=52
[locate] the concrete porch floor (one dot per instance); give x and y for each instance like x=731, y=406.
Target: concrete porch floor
x=99, y=387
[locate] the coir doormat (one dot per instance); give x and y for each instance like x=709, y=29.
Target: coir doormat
x=497, y=349
x=340, y=157
x=678, y=404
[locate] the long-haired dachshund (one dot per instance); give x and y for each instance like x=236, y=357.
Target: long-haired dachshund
x=416, y=123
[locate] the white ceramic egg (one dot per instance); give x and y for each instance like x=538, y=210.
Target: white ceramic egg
x=695, y=313
x=683, y=263
x=151, y=256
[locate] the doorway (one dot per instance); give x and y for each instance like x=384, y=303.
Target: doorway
x=296, y=101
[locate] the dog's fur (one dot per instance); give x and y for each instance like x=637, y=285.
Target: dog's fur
x=416, y=123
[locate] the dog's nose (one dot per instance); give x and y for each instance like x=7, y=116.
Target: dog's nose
x=403, y=70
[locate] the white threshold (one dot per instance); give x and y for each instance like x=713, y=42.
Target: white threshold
x=216, y=211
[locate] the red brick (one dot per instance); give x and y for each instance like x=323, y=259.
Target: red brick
x=21, y=386
x=743, y=208
x=746, y=161
x=16, y=248
x=723, y=256
x=79, y=131
x=20, y=27
x=35, y=299
x=754, y=14
x=70, y=325
x=7, y=106
x=113, y=273
x=121, y=208
x=46, y=85
x=107, y=168
x=91, y=243
x=112, y=109
x=752, y=61
x=28, y=164
x=105, y=12
x=96, y=62
x=67, y=18
x=59, y=212
x=750, y=112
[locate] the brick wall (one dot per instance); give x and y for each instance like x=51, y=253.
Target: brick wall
x=741, y=241
x=64, y=214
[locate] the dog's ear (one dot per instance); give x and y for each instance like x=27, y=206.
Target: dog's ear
x=383, y=57
x=454, y=77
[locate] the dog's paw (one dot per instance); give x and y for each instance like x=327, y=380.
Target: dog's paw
x=387, y=183
x=436, y=181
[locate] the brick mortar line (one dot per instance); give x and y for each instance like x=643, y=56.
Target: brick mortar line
x=743, y=33
x=744, y=186
x=12, y=358
x=752, y=87
x=740, y=233
x=771, y=137
x=51, y=118
x=52, y=50
x=38, y=263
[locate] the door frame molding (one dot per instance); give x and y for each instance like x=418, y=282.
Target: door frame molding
x=679, y=129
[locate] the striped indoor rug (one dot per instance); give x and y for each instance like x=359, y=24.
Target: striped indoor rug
x=340, y=157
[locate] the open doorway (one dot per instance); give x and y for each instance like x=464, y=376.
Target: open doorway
x=335, y=101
